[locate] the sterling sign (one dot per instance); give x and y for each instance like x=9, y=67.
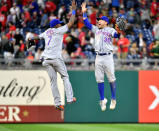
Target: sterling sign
x=27, y=88
x=26, y=96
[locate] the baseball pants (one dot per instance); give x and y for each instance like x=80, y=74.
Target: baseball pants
x=104, y=65
x=53, y=66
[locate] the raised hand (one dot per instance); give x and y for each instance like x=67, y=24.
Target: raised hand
x=84, y=9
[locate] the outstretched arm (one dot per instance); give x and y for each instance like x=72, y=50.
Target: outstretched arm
x=85, y=19
x=72, y=19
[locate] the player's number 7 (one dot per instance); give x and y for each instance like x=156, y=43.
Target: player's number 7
x=50, y=37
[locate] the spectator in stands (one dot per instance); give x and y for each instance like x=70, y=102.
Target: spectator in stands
x=27, y=17
x=33, y=16
x=34, y=7
x=154, y=8
x=122, y=13
x=130, y=4
x=12, y=27
x=20, y=53
x=62, y=14
x=88, y=51
x=50, y=6
x=140, y=40
x=9, y=51
x=123, y=45
x=93, y=16
x=4, y=7
x=3, y=20
x=147, y=32
x=155, y=50
x=144, y=13
x=3, y=42
x=131, y=15
x=156, y=30
x=144, y=52
x=44, y=20
x=15, y=12
x=26, y=2
x=133, y=53
x=61, y=11
x=41, y=3
x=81, y=36
x=155, y=53
x=116, y=4
x=35, y=23
x=18, y=37
x=11, y=31
x=71, y=45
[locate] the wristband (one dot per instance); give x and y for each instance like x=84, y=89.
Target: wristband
x=73, y=12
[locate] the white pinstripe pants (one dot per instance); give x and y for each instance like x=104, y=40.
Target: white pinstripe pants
x=53, y=66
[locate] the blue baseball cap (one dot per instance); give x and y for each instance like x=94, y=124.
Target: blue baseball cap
x=55, y=22
x=104, y=18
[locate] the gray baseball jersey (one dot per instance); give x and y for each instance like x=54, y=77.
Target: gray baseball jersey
x=53, y=41
x=54, y=63
x=103, y=44
x=103, y=39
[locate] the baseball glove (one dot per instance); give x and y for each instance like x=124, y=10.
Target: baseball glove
x=121, y=22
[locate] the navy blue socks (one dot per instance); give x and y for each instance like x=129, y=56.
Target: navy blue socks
x=113, y=90
x=101, y=90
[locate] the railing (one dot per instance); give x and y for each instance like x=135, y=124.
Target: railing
x=82, y=64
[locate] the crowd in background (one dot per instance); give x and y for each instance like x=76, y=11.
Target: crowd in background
x=22, y=19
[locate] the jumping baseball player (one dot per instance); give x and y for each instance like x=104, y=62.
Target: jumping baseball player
x=52, y=58
x=104, y=63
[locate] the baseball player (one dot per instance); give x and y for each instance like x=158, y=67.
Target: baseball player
x=52, y=58
x=104, y=63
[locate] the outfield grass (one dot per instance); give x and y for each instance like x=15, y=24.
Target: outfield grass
x=79, y=127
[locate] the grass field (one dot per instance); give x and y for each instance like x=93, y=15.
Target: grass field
x=79, y=127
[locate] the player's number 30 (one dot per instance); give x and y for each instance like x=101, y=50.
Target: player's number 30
x=107, y=39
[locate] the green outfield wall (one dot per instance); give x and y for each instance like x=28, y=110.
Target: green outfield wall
x=87, y=108
x=26, y=97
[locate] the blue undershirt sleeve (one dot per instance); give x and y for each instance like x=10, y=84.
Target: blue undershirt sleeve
x=88, y=24
x=116, y=35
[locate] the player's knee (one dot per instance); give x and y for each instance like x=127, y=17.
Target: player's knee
x=111, y=79
x=99, y=79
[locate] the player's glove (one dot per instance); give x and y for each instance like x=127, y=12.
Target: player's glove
x=121, y=23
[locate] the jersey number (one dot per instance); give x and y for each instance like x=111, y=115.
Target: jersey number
x=107, y=39
x=50, y=37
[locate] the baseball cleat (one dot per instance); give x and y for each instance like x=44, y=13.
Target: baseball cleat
x=60, y=107
x=113, y=104
x=103, y=104
x=73, y=101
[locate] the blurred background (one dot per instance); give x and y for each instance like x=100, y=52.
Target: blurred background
x=137, y=49
x=25, y=94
